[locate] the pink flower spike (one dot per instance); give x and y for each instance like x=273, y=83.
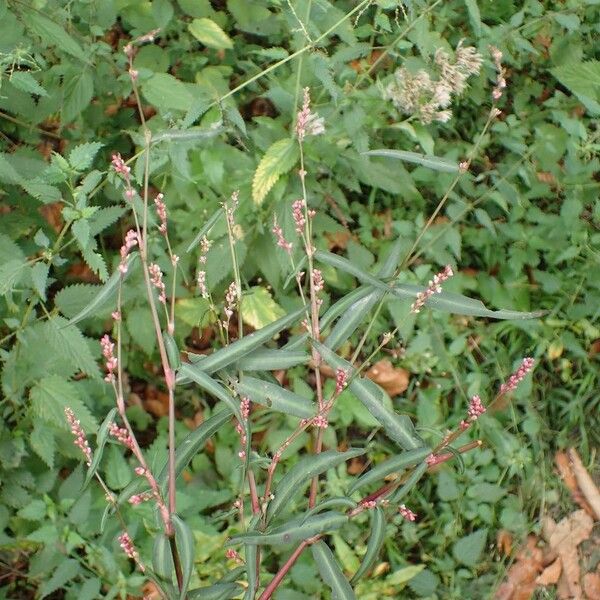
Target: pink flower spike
x=161, y=212
x=156, y=278
x=433, y=287
x=281, y=241
x=131, y=240
x=517, y=376
x=128, y=547
x=340, y=381
x=408, y=514
x=80, y=438
x=318, y=280
x=307, y=122
x=120, y=167
x=121, y=434
x=476, y=408
x=108, y=349
x=298, y=215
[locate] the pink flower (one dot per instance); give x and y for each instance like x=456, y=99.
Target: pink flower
x=281, y=241
x=340, y=381
x=122, y=435
x=517, y=376
x=298, y=214
x=318, y=280
x=408, y=514
x=108, y=348
x=202, y=284
x=476, y=408
x=321, y=422
x=161, y=213
x=307, y=122
x=156, y=278
x=80, y=438
x=131, y=240
x=433, y=287
x=128, y=547
x=120, y=167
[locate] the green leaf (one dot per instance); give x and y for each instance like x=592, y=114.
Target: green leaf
x=226, y=356
x=468, y=549
x=210, y=34
x=395, y=464
x=293, y=531
x=279, y=159
x=81, y=231
x=39, y=277
x=165, y=92
x=117, y=470
x=401, y=576
x=162, y=560
x=43, y=443
x=218, y=591
x=410, y=483
x=53, y=34
x=270, y=359
x=302, y=472
x=186, y=547
x=474, y=16
x=101, y=439
x=275, y=397
x=398, y=427
x=49, y=397
x=12, y=273
x=431, y=162
x=26, y=82
x=331, y=573
x=259, y=309
x=205, y=230
x=82, y=156
x=376, y=539
x=583, y=79
x=66, y=570
x=79, y=93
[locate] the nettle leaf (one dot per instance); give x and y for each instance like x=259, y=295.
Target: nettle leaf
x=259, y=309
x=210, y=34
x=43, y=443
x=82, y=156
x=12, y=274
x=583, y=79
x=49, y=397
x=278, y=160
x=81, y=231
x=39, y=277
x=331, y=573
x=26, y=82
x=95, y=262
x=468, y=549
x=53, y=34
x=78, y=95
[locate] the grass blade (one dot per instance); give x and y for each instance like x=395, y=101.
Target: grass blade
x=205, y=230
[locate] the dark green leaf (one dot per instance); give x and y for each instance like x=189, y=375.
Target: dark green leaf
x=331, y=572
x=376, y=539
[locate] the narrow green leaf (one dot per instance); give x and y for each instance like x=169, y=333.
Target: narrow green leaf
x=218, y=591
x=251, y=555
x=205, y=230
x=410, y=483
x=101, y=439
x=162, y=560
x=431, y=162
x=293, y=531
x=186, y=548
x=271, y=359
x=222, y=358
x=330, y=503
x=172, y=351
x=302, y=472
x=193, y=134
x=395, y=464
x=398, y=427
x=105, y=293
x=331, y=573
x=275, y=397
x=376, y=540
x=279, y=159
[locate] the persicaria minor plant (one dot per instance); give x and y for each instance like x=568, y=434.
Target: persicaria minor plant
x=281, y=496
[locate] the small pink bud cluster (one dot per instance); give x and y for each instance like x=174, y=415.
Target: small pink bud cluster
x=120, y=167
x=307, y=122
x=131, y=240
x=161, y=213
x=156, y=278
x=202, y=284
x=340, y=381
x=475, y=410
x=230, y=302
x=139, y=498
x=128, y=547
x=432, y=460
x=517, y=376
x=321, y=422
x=281, y=241
x=245, y=410
x=433, y=287
x=80, y=438
x=318, y=282
x=230, y=209
x=298, y=214
x=121, y=435
x=232, y=554
x=369, y=504
x=500, y=80
x=408, y=514
x=108, y=349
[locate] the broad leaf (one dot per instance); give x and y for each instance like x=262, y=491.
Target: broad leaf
x=210, y=34
x=279, y=159
x=259, y=309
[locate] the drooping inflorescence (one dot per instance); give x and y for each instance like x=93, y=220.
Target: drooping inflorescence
x=433, y=287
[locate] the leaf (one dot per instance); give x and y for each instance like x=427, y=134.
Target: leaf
x=376, y=539
x=101, y=439
x=468, y=549
x=53, y=34
x=105, y=293
x=186, y=547
x=165, y=92
x=474, y=16
x=39, y=277
x=330, y=572
x=192, y=443
x=394, y=380
x=49, y=397
x=66, y=570
x=268, y=359
x=81, y=231
x=12, y=273
x=79, y=94
x=279, y=159
x=401, y=576
x=218, y=591
x=398, y=427
x=293, y=531
x=82, y=156
x=302, y=472
x=26, y=82
x=259, y=309
x=238, y=349
x=583, y=79
x=275, y=397
x=43, y=443
x=410, y=483
x=205, y=230
x=431, y=162
x=395, y=464
x=210, y=34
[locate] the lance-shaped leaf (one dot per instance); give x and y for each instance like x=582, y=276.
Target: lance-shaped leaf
x=218, y=591
x=272, y=359
x=186, y=548
x=431, y=162
x=192, y=443
x=251, y=555
x=232, y=353
x=101, y=439
x=162, y=560
x=193, y=134
x=331, y=573
x=331, y=503
x=275, y=397
x=445, y=301
x=410, y=483
x=105, y=292
x=294, y=481
x=293, y=531
x=395, y=464
x=376, y=540
x=398, y=427
x=205, y=230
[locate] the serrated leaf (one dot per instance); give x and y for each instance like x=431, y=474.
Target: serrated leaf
x=302, y=472
x=39, y=277
x=53, y=34
x=293, y=531
x=376, y=539
x=81, y=231
x=79, y=94
x=26, y=82
x=95, y=262
x=275, y=397
x=12, y=273
x=583, y=79
x=210, y=34
x=167, y=93
x=468, y=549
x=278, y=160
x=82, y=156
x=49, y=397
x=331, y=573
x=43, y=443
x=259, y=309
x=66, y=570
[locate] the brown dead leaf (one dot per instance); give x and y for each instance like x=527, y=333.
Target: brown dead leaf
x=356, y=465
x=594, y=348
x=520, y=578
x=338, y=239
x=591, y=586
x=585, y=482
x=150, y=591
x=504, y=542
x=563, y=464
x=393, y=380
x=551, y=574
